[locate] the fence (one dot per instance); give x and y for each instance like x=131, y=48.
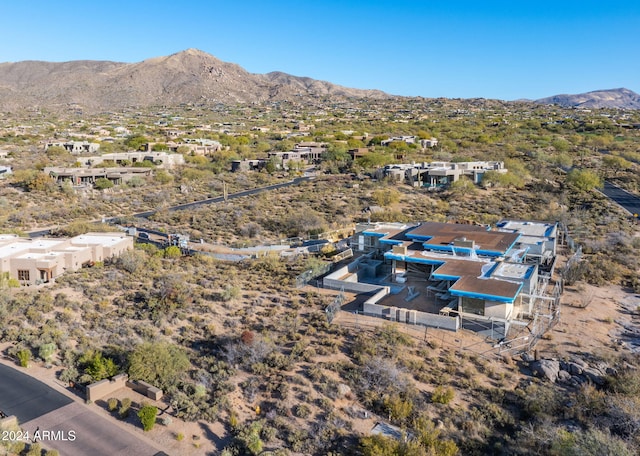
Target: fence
x=307, y=276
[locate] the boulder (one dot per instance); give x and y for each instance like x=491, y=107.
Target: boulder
x=574, y=368
x=546, y=368
x=527, y=358
x=343, y=390
x=594, y=375
x=564, y=376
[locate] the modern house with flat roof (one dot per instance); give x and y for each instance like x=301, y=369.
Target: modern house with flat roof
x=41, y=260
x=440, y=174
x=75, y=147
x=88, y=176
x=466, y=272
x=160, y=159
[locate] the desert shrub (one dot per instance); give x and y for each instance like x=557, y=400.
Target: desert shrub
x=302, y=411
x=125, y=408
x=35, y=449
x=147, y=415
x=158, y=363
x=442, y=395
x=24, y=356
x=112, y=404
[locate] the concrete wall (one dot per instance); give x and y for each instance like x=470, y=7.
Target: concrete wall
x=411, y=316
x=100, y=389
x=145, y=388
x=497, y=309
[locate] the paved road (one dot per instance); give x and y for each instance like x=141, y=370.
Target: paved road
x=72, y=428
x=627, y=200
x=26, y=397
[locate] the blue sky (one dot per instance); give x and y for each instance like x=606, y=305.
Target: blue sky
x=456, y=49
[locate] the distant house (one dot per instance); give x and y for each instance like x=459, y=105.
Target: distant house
x=359, y=152
x=248, y=165
x=75, y=147
x=441, y=174
x=428, y=143
x=84, y=176
x=405, y=139
x=160, y=159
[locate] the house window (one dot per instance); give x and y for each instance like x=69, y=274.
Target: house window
x=473, y=305
x=23, y=274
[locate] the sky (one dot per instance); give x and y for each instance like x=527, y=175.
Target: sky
x=456, y=49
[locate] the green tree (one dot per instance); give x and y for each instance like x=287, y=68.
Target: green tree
x=8, y=282
x=136, y=142
x=172, y=252
x=41, y=183
x=147, y=415
x=616, y=163
x=159, y=147
x=58, y=152
x=160, y=363
x=583, y=179
x=163, y=177
x=97, y=366
x=386, y=196
x=103, y=183
x=463, y=186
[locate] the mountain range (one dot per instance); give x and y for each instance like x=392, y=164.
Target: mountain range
x=194, y=77
x=190, y=76
x=613, y=98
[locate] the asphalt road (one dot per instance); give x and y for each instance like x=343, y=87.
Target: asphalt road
x=627, y=200
x=26, y=397
x=63, y=424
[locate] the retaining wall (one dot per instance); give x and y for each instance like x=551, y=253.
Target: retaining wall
x=104, y=387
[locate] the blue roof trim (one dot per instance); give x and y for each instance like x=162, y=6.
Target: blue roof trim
x=514, y=242
x=488, y=297
x=529, y=272
x=390, y=241
x=418, y=237
x=491, y=253
x=491, y=270
x=374, y=234
x=550, y=230
x=444, y=277
x=411, y=259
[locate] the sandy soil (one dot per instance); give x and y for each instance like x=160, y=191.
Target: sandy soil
x=594, y=320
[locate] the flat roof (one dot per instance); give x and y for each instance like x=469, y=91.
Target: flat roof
x=483, y=288
x=441, y=235
x=13, y=248
x=527, y=228
x=104, y=239
x=38, y=256
x=518, y=271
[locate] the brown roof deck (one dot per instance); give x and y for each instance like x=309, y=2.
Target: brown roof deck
x=445, y=234
x=461, y=268
x=491, y=287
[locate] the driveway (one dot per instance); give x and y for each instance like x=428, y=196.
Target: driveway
x=627, y=200
x=71, y=428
